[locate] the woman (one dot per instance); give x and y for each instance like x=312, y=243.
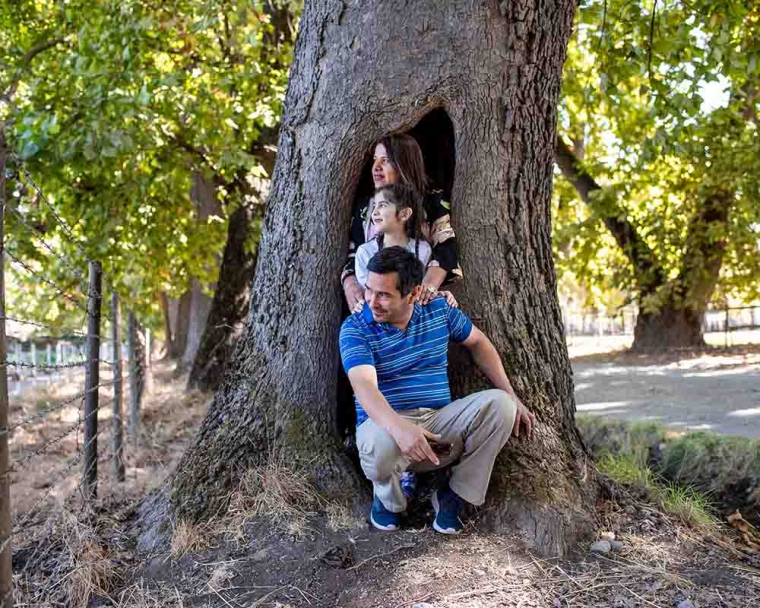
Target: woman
x=398, y=159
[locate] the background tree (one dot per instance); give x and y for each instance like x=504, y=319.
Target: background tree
x=138, y=101
x=659, y=143
x=480, y=64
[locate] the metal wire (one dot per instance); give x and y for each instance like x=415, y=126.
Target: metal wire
x=58, y=406
x=52, y=284
x=44, y=326
x=58, y=218
x=49, y=247
x=42, y=365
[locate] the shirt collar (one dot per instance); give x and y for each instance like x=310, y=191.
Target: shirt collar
x=367, y=315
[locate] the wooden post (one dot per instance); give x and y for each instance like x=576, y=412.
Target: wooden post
x=6, y=526
x=148, y=373
x=134, y=378
x=48, y=354
x=117, y=425
x=92, y=379
x=33, y=358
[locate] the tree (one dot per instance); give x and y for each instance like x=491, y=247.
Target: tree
x=495, y=68
x=135, y=99
x=661, y=106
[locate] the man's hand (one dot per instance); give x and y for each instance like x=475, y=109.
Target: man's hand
x=412, y=441
x=523, y=416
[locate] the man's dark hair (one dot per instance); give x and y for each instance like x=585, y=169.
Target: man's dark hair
x=405, y=263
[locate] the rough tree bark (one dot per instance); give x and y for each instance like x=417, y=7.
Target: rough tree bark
x=495, y=67
x=678, y=320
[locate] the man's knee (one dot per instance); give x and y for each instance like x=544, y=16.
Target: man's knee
x=502, y=408
x=378, y=451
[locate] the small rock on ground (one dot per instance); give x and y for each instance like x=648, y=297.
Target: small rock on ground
x=601, y=546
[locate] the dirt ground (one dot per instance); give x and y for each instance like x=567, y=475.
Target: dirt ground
x=87, y=556
x=716, y=390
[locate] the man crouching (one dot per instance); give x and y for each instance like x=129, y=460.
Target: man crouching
x=395, y=353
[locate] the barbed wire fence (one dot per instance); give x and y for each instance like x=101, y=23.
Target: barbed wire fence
x=68, y=447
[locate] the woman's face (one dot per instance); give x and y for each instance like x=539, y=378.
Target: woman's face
x=383, y=172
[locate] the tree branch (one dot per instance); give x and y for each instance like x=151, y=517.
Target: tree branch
x=24, y=63
x=647, y=269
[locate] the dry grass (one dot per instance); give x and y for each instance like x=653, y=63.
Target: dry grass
x=189, y=538
x=278, y=493
x=285, y=496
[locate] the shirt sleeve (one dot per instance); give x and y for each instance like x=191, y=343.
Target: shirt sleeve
x=441, y=235
x=460, y=325
x=356, y=236
x=354, y=347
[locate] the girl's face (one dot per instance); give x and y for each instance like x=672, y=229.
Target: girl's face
x=383, y=172
x=387, y=218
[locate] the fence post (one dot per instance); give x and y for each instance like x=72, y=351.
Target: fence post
x=117, y=426
x=725, y=329
x=6, y=527
x=91, y=382
x=33, y=358
x=134, y=378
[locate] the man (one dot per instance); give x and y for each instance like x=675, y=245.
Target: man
x=395, y=353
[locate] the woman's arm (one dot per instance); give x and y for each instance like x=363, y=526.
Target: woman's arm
x=351, y=288
x=444, y=264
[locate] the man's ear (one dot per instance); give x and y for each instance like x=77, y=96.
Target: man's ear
x=415, y=293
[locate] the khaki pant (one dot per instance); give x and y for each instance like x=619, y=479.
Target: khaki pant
x=477, y=426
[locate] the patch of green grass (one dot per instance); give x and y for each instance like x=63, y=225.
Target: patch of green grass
x=689, y=506
x=628, y=470
x=685, y=503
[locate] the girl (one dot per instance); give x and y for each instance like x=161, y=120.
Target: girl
x=396, y=221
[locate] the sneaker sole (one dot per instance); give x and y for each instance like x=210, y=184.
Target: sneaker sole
x=436, y=527
x=388, y=528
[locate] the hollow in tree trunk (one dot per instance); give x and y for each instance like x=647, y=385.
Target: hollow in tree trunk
x=495, y=68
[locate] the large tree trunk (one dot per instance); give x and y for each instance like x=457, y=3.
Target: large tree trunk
x=495, y=67
x=670, y=327
x=230, y=305
x=671, y=312
x=179, y=320
x=203, y=195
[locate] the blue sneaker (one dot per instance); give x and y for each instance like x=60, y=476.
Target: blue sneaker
x=382, y=518
x=408, y=484
x=447, y=505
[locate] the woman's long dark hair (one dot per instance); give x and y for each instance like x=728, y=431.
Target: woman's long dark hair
x=404, y=196
x=405, y=155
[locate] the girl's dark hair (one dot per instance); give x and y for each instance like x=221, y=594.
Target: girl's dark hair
x=405, y=155
x=403, y=196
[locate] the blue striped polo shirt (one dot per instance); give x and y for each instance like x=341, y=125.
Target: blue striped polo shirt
x=412, y=364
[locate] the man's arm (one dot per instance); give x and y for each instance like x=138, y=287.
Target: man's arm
x=410, y=438
x=487, y=359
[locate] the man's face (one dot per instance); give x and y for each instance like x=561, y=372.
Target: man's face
x=385, y=300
